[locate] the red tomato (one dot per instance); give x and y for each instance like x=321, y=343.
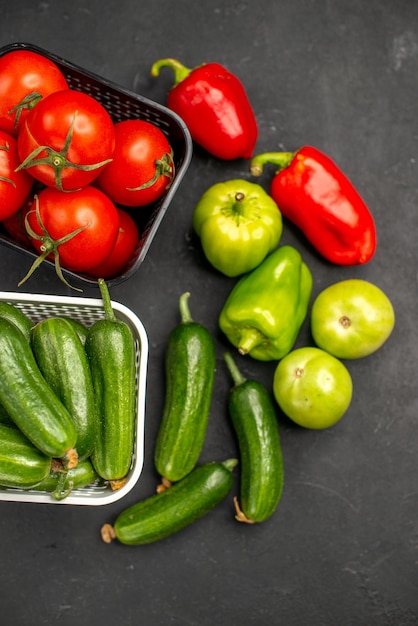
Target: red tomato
x=25, y=78
x=123, y=250
x=14, y=186
x=78, y=136
x=15, y=224
x=142, y=167
x=58, y=215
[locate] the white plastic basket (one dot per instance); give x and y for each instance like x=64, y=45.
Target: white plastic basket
x=87, y=311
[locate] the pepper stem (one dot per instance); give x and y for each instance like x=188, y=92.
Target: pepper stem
x=184, y=308
x=280, y=159
x=107, y=303
x=180, y=71
x=250, y=338
x=237, y=377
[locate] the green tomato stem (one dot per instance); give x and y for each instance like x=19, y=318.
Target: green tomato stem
x=58, y=159
x=163, y=167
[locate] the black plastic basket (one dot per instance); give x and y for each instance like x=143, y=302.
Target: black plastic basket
x=121, y=104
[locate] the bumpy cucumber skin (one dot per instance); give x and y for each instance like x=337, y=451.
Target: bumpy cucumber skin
x=80, y=329
x=178, y=506
x=28, y=399
x=16, y=315
x=21, y=464
x=64, y=365
x=261, y=461
x=190, y=363
x=110, y=348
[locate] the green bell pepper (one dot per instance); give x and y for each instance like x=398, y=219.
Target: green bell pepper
x=266, y=308
x=238, y=224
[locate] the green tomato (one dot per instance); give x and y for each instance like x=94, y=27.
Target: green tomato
x=351, y=319
x=239, y=224
x=312, y=387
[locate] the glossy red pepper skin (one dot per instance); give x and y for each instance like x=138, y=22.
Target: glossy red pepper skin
x=313, y=193
x=215, y=107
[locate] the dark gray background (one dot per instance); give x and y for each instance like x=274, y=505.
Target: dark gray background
x=342, y=547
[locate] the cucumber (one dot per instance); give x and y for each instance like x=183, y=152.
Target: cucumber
x=29, y=400
x=190, y=362
x=61, y=483
x=110, y=347
x=175, y=508
x=5, y=417
x=21, y=464
x=16, y=315
x=64, y=365
x=80, y=329
x=261, y=461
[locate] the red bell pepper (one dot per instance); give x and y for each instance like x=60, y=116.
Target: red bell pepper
x=215, y=107
x=314, y=194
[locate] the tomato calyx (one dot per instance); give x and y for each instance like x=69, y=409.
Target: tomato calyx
x=345, y=321
x=7, y=180
x=163, y=167
x=49, y=245
x=28, y=102
x=57, y=159
x=6, y=148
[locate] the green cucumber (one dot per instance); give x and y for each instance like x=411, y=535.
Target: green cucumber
x=30, y=402
x=63, y=362
x=16, y=315
x=255, y=422
x=80, y=329
x=21, y=464
x=190, y=362
x=175, y=508
x=110, y=347
x=61, y=483
x=5, y=417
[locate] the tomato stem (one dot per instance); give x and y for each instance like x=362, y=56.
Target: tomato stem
x=163, y=167
x=57, y=159
x=49, y=245
x=7, y=180
x=6, y=148
x=28, y=102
